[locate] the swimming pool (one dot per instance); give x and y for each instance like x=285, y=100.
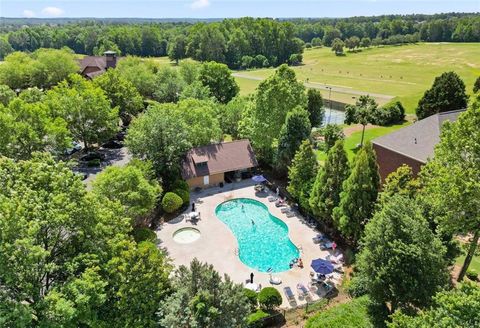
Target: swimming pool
x=263, y=240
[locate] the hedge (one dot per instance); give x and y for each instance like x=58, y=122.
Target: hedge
x=171, y=202
x=472, y=274
x=251, y=296
x=390, y=114
x=180, y=184
x=255, y=320
x=269, y=298
x=184, y=195
x=143, y=234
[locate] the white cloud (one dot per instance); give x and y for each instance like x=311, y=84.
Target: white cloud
x=199, y=4
x=52, y=11
x=28, y=13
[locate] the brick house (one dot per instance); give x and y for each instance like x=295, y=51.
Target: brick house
x=208, y=165
x=412, y=145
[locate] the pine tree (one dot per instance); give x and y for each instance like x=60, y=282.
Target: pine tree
x=295, y=129
x=301, y=173
x=315, y=107
x=357, y=200
x=325, y=194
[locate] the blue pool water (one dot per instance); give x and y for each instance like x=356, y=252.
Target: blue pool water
x=262, y=245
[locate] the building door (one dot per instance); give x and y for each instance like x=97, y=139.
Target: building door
x=206, y=180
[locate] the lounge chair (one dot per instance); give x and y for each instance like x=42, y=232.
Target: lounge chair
x=288, y=293
x=290, y=214
x=318, y=238
x=326, y=245
x=280, y=203
x=335, y=259
x=285, y=209
x=275, y=280
x=272, y=198
x=303, y=291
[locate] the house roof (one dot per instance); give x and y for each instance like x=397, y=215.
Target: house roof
x=218, y=158
x=418, y=140
x=93, y=61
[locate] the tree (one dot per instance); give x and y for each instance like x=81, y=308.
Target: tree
x=177, y=48
x=325, y=194
x=218, y=78
x=476, y=85
x=316, y=42
x=190, y=70
x=315, y=107
x=26, y=128
x=135, y=189
x=331, y=34
x=140, y=72
x=269, y=298
x=332, y=133
x=365, y=42
x=32, y=95
x=121, y=93
x=398, y=237
x=337, y=46
x=400, y=182
x=196, y=90
x=201, y=298
x=85, y=108
x=453, y=308
x=301, y=174
x=363, y=112
x=452, y=179
x=52, y=66
x=264, y=117
x=159, y=138
x=359, y=194
x=168, y=85
x=16, y=70
x=296, y=129
x=6, y=94
x=352, y=42
x=447, y=93
x=229, y=116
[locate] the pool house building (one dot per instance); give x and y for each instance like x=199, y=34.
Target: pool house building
x=212, y=165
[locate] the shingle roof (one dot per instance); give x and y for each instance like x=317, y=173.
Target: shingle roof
x=418, y=140
x=93, y=61
x=218, y=158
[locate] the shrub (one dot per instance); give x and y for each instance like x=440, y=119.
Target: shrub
x=356, y=287
x=269, y=298
x=472, y=274
x=255, y=319
x=180, y=184
x=171, y=202
x=295, y=59
x=390, y=114
x=251, y=297
x=184, y=195
x=143, y=234
x=308, y=45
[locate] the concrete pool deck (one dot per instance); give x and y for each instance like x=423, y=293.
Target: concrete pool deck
x=218, y=246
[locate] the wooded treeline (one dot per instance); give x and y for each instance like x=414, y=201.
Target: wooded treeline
x=232, y=41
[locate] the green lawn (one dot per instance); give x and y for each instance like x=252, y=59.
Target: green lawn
x=475, y=264
x=401, y=71
x=354, y=139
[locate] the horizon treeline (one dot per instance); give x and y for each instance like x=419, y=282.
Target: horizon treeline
x=230, y=41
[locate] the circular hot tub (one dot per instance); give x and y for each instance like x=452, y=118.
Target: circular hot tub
x=186, y=235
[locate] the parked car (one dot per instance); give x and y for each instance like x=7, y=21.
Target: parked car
x=76, y=146
x=113, y=144
x=92, y=155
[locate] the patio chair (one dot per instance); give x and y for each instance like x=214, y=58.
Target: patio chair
x=272, y=199
x=285, y=209
x=335, y=259
x=303, y=291
x=288, y=293
x=275, y=280
x=326, y=245
x=290, y=214
x=280, y=203
x=318, y=238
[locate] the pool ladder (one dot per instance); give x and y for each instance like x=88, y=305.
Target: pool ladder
x=236, y=251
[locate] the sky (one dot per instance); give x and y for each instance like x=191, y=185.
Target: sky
x=228, y=8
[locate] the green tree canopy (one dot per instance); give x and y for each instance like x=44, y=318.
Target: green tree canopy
x=452, y=179
x=168, y=85
x=203, y=299
x=296, y=129
x=6, y=94
x=447, y=93
x=363, y=112
x=401, y=260
x=121, y=93
x=229, y=115
x=177, y=48
x=218, y=78
x=476, y=85
x=315, y=107
x=274, y=98
x=359, y=194
x=326, y=190
x=337, y=46
x=85, y=108
x=26, y=128
x=457, y=308
x=301, y=174
x=136, y=191
x=140, y=72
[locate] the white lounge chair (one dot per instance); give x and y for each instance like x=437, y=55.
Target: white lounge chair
x=275, y=280
x=303, y=291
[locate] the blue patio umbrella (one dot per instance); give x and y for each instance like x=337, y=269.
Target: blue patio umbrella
x=322, y=266
x=259, y=178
